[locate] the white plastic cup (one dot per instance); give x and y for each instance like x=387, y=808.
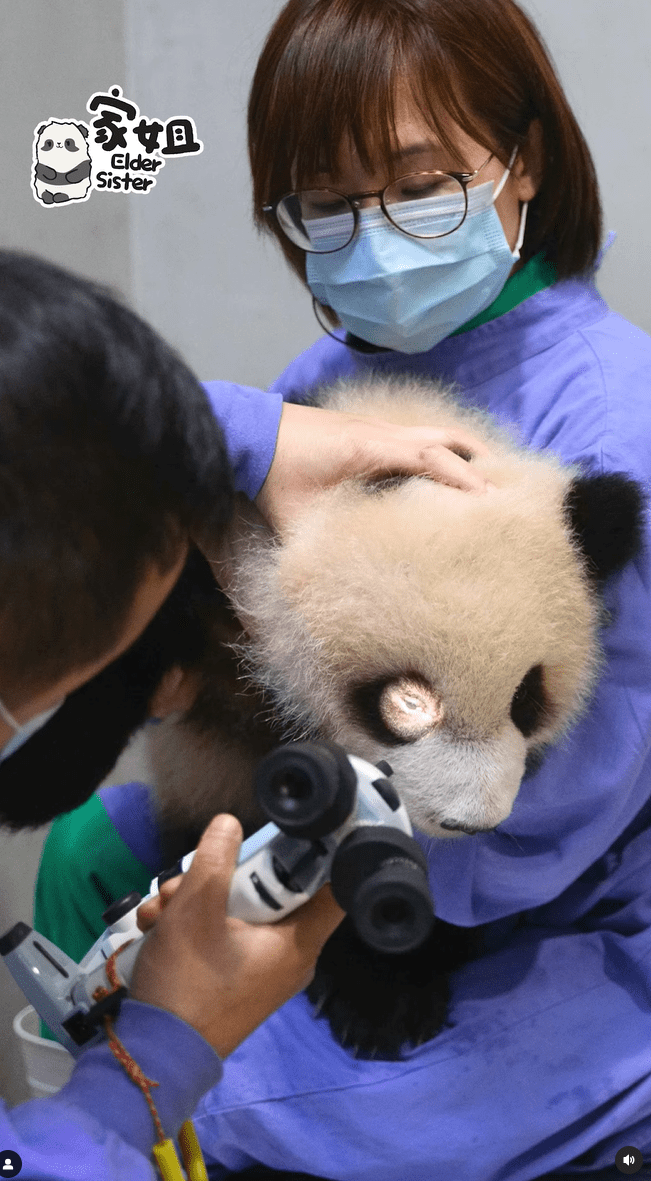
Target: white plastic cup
x=48, y=1065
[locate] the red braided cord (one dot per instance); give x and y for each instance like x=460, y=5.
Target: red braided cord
x=136, y=1074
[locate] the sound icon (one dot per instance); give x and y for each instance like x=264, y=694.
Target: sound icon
x=629, y=1159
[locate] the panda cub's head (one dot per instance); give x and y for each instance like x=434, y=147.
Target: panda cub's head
x=61, y=145
x=453, y=634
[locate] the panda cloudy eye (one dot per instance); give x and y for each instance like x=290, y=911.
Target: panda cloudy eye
x=398, y=709
x=529, y=705
x=71, y=145
x=47, y=145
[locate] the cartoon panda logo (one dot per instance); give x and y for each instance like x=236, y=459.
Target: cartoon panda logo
x=62, y=163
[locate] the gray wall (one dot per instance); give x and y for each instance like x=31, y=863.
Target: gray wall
x=187, y=254
x=202, y=274
x=53, y=55
x=601, y=51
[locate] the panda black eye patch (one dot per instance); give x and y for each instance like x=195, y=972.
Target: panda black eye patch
x=529, y=704
x=70, y=145
x=47, y=145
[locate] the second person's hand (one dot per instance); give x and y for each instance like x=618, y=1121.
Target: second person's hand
x=222, y=975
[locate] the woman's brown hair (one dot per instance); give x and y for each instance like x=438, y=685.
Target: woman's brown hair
x=333, y=67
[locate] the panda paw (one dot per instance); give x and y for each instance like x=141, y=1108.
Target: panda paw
x=376, y=1003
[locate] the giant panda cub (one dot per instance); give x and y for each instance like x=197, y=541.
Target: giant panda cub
x=453, y=634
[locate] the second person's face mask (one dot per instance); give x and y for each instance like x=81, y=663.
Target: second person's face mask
x=408, y=293
x=23, y=732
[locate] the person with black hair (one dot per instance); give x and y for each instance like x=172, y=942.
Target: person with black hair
x=114, y=463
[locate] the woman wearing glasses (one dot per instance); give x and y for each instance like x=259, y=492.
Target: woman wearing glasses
x=424, y=176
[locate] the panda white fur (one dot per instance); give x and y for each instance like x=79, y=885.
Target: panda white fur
x=453, y=634
x=63, y=164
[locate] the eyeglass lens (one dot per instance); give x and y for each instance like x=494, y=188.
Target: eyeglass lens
x=424, y=205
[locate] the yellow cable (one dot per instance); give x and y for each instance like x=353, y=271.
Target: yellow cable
x=195, y=1166
x=168, y=1162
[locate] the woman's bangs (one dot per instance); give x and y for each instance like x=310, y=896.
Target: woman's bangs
x=344, y=114
x=335, y=104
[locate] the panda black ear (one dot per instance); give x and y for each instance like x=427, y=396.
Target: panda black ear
x=605, y=513
x=41, y=128
x=84, y=130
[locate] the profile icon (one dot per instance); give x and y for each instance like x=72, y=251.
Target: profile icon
x=10, y=1163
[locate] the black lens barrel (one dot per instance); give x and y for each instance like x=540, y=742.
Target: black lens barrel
x=306, y=788
x=379, y=876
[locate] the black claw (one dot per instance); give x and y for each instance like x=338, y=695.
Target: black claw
x=377, y=1004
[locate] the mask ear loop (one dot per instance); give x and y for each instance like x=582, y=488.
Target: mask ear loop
x=11, y=721
x=523, y=221
x=523, y=215
x=507, y=170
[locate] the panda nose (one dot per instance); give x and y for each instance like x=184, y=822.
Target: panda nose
x=451, y=826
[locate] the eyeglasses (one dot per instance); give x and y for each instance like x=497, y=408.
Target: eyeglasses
x=421, y=204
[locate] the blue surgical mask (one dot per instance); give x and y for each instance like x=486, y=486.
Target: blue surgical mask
x=408, y=293
x=24, y=731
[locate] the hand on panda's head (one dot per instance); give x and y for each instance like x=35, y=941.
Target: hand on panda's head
x=317, y=448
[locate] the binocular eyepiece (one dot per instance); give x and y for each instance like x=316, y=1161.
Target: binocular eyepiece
x=378, y=873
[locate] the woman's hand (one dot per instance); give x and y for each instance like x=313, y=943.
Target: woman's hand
x=317, y=448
